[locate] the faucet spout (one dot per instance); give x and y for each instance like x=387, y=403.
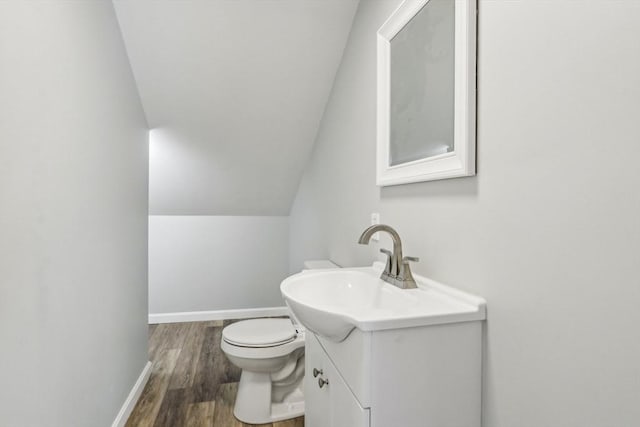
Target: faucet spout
x=396, y=256
x=397, y=271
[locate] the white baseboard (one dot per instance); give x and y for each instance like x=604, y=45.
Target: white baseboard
x=199, y=316
x=133, y=397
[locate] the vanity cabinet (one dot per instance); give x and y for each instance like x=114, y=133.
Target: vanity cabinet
x=413, y=377
x=379, y=356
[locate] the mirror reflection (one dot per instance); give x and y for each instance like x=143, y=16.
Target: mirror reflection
x=422, y=85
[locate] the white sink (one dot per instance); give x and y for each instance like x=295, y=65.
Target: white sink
x=333, y=302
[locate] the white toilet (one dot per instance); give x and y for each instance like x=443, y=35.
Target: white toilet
x=270, y=353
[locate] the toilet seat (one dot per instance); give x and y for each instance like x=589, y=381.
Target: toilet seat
x=242, y=339
x=260, y=333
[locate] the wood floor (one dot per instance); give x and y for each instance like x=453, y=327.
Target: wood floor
x=192, y=383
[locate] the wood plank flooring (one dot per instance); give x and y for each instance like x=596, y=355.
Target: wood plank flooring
x=192, y=383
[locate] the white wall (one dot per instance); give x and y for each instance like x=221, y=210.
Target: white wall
x=203, y=263
x=239, y=88
x=208, y=262
x=73, y=216
x=548, y=231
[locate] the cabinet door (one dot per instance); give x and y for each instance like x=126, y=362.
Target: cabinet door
x=316, y=399
x=332, y=404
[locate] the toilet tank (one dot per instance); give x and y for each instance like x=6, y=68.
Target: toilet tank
x=319, y=264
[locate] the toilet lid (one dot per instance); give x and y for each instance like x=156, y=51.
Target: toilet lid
x=259, y=332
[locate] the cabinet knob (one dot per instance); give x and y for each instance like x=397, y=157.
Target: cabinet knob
x=316, y=372
x=322, y=382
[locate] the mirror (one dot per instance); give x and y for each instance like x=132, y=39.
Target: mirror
x=426, y=92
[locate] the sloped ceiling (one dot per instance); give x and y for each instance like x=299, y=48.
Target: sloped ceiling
x=234, y=91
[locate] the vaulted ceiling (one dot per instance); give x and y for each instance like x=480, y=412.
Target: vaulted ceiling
x=234, y=91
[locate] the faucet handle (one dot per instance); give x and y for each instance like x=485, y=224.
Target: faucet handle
x=405, y=279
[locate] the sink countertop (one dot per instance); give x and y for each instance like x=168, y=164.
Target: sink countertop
x=332, y=302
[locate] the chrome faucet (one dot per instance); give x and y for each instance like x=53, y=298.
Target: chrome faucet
x=397, y=270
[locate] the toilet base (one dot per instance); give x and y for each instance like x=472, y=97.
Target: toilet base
x=254, y=405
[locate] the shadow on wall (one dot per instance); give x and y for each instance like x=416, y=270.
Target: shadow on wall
x=452, y=187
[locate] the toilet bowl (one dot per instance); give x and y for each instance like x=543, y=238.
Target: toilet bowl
x=270, y=353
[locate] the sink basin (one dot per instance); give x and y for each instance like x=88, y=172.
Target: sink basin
x=333, y=302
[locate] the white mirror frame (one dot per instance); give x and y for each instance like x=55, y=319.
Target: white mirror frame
x=462, y=160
